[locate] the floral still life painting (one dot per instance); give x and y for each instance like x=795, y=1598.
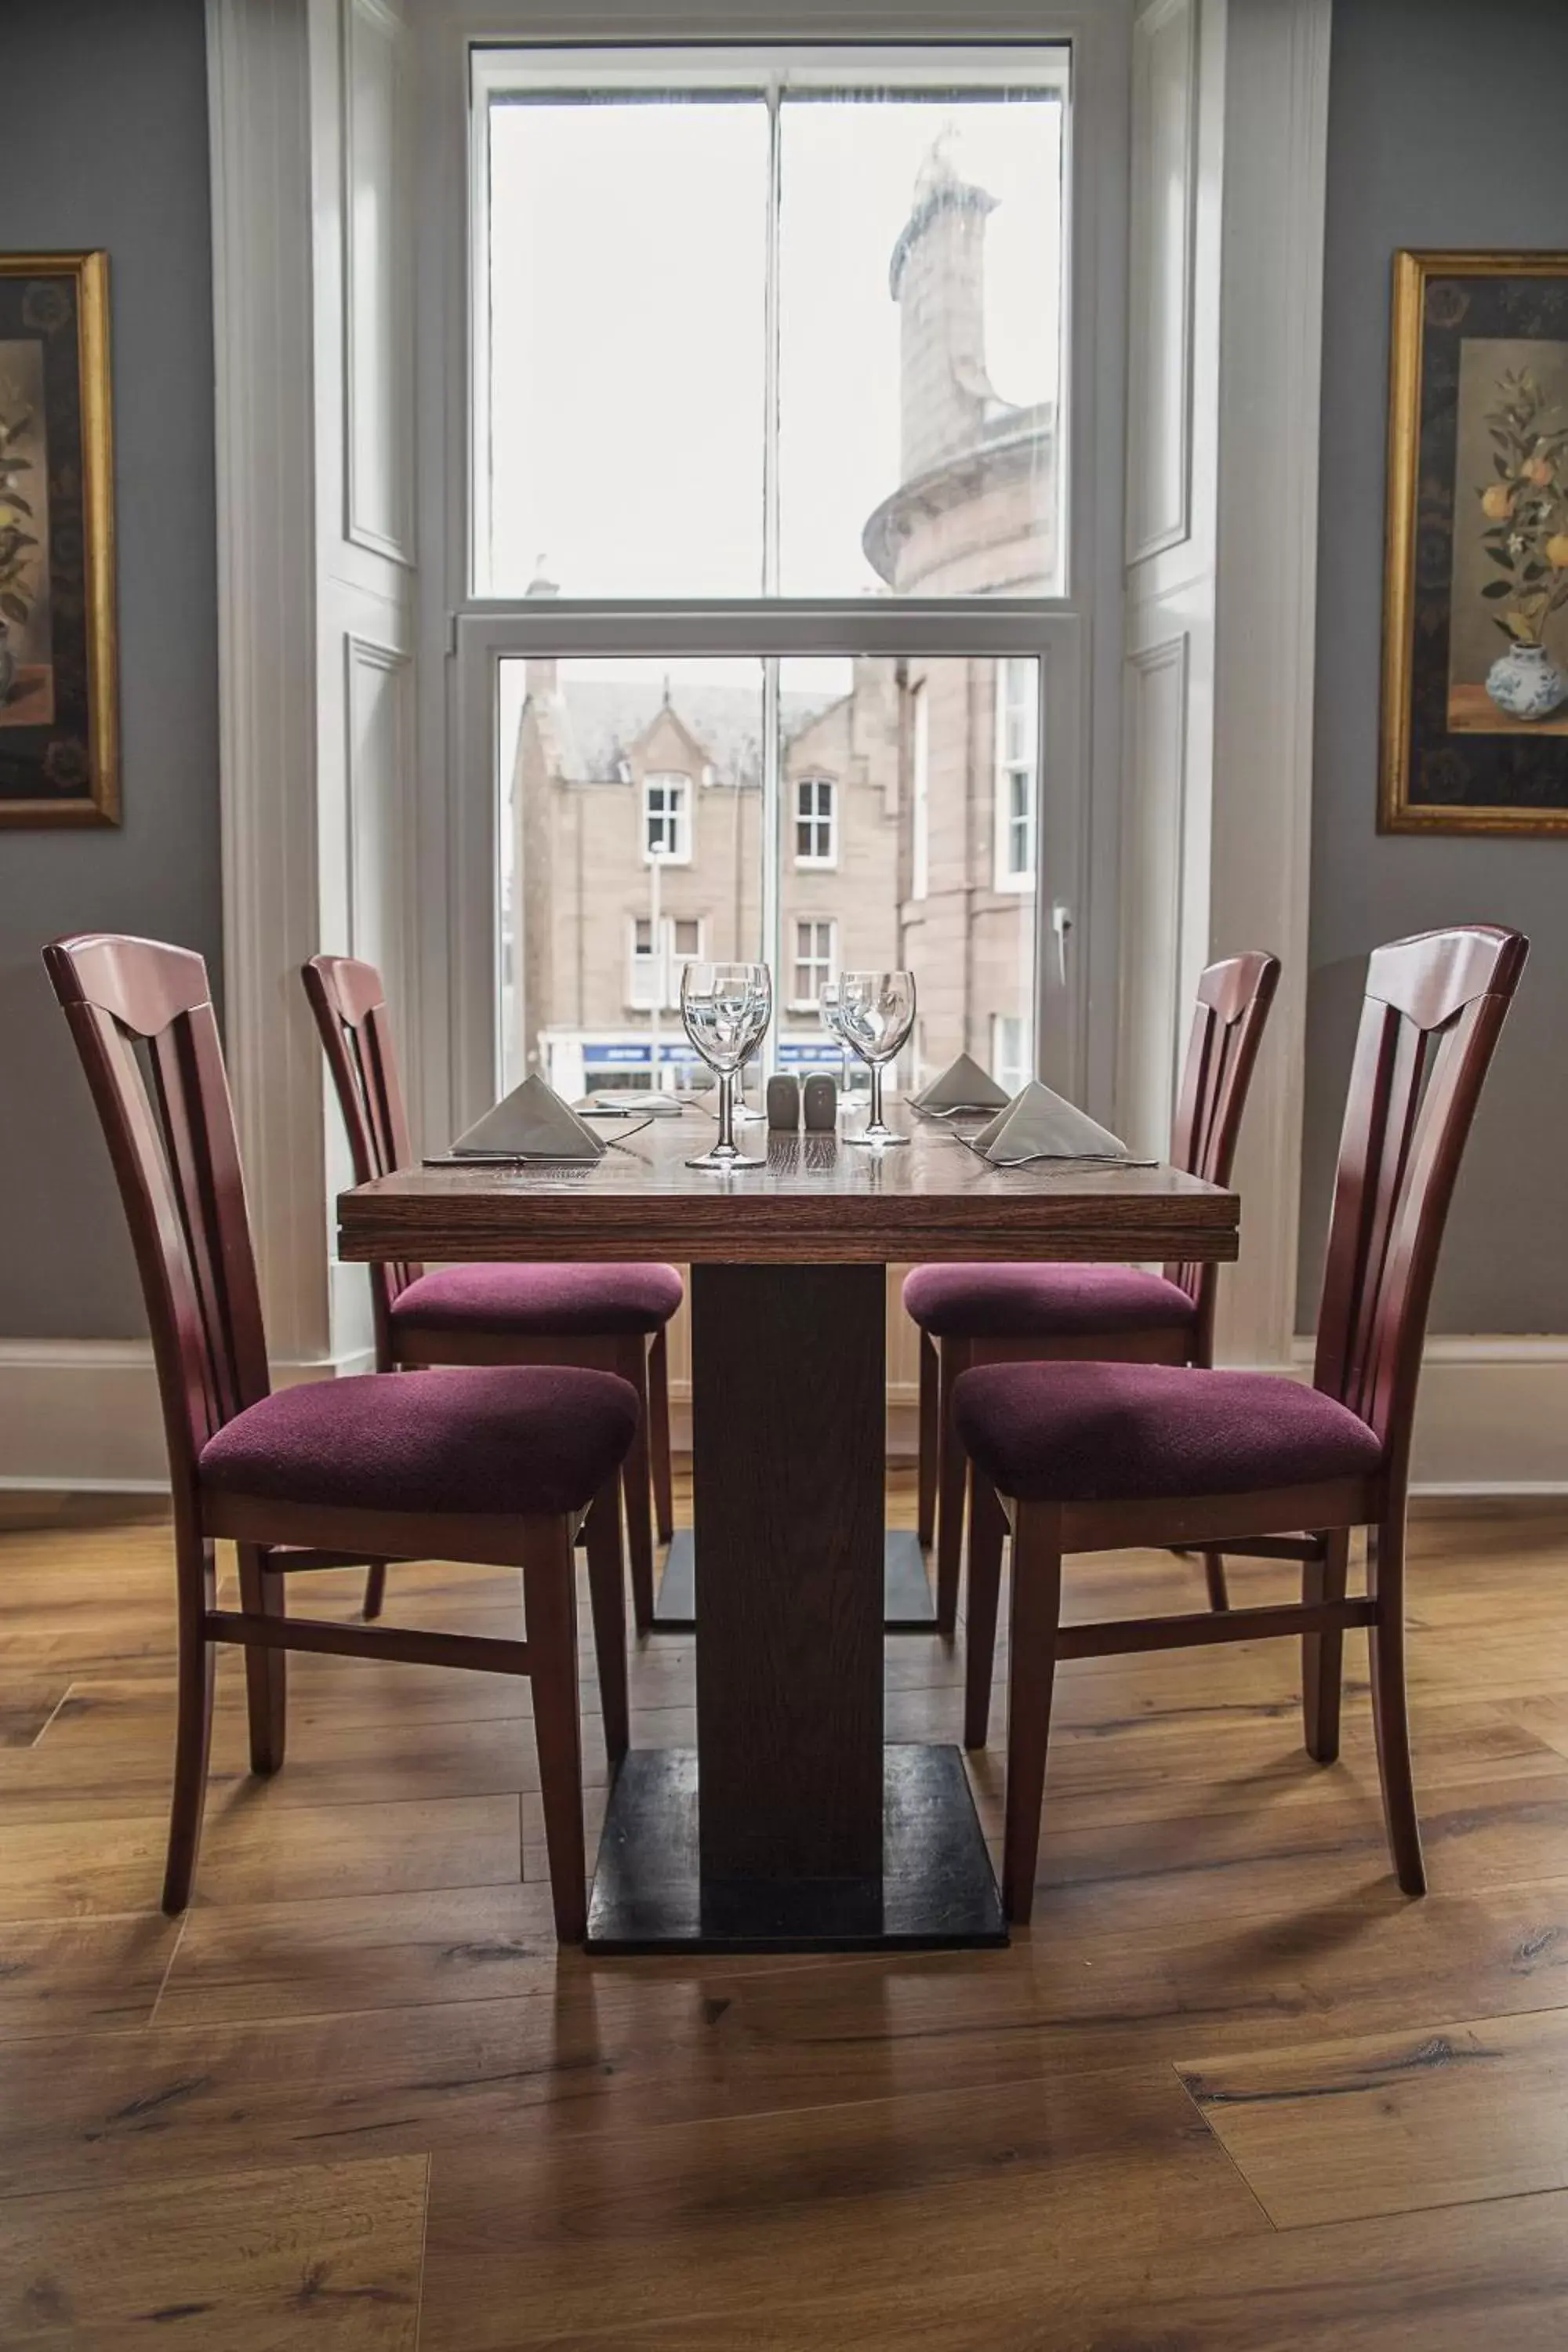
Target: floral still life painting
x=58, y=762
x=1475, y=651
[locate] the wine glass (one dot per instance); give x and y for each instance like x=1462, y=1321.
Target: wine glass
x=725, y=1009
x=874, y=1014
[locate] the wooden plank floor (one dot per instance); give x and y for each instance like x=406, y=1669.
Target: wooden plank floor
x=1232, y=2091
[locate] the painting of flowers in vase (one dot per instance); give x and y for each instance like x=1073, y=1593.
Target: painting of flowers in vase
x=1509, y=642
x=1474, y=716
x=58, y=731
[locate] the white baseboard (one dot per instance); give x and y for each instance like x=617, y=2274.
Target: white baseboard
x=1492, y=1416
x=82, y=1414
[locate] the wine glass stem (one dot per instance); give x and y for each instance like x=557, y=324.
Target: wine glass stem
x=726, y=1111
x=876, y=1120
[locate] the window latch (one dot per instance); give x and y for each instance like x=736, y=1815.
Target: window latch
x=1061, y=924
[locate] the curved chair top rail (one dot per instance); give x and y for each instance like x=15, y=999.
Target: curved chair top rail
x=141, y=1015
x=348, y=999
x=1433, y=1008
x=1229, y=1021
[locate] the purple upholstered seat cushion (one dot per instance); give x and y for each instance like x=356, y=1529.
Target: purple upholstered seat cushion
x=1091, y=1432
x=518, y=1440
x=1042, y=1302
x=589, y=1302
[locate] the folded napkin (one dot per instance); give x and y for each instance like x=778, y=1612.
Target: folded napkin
x=530, y=1123
x=1038, y=1125
x=962, y=1086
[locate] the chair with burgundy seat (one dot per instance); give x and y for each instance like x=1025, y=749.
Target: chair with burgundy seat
x=1093, y=1456
x=970, y=1315
x=495, y=1466
x=605, y=1318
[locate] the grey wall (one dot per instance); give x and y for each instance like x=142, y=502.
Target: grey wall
x=105, y=143
x=1438, y=137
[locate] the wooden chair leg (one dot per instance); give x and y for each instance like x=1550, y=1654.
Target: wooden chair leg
x=374, y=1591
x=1031, y=1673
x=607, y=1600
x=987, y=1529
x=266, y=1671
x=1390, y=1713
x=658, y=1434
x=193, y=1723
x=929, y=1441
x=549, y=1609
x=632, y=1365
x=951, y=1475
x=1323, y=1654
x=1213, y=1576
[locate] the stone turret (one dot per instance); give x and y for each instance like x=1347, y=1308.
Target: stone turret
x=937, y=277
x=972, y=510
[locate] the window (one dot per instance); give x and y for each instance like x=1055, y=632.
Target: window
x=643, y=987
x=901, y=216
x=1012, y=1053
x=692, y=622
x=815, y=960
x=814, y=840
x=655, y=980
x=920, y=789
x=1017, y=730
x=666, y=819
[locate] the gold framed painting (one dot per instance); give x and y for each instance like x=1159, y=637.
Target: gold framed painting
x=1475, y=650
x=59, y=718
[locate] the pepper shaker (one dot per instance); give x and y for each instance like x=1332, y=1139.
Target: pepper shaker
x=784, y=1102
x=821, y=1104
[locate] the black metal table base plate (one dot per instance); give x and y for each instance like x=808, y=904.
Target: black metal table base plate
x=909, y=1606
x=937, y=1889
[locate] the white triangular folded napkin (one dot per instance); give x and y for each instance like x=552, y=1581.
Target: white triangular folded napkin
x=962, y=1086
x=1038, y=1125
x=530, y=1123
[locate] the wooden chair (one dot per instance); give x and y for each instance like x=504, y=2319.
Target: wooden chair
x=1096, y=1456
x=605, y=1318
x=497, y=1466
x=979, y=1314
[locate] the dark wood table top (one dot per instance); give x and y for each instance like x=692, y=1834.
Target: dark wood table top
x=819, y=1201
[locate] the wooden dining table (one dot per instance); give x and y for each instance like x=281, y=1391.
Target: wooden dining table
x=793, y=1825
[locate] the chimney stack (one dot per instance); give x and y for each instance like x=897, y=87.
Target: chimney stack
x=539, y=675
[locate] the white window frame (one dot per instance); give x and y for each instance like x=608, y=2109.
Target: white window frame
x=1010, y=1068
x=920, y=789
x=817, y=818
x=1016, y=766
x=826, y=964
x=658, y=971
x=1075, y=636
x=677, y=821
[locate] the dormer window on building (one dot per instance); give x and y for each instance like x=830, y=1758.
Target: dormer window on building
x=666, y=819
x=815, y=821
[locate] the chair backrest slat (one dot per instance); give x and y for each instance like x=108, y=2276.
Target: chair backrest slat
x=143, y=1019
x=1433, y=1008
x=1232, y=1008
x=348, y=999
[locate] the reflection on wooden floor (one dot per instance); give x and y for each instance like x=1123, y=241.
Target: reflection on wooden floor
x=1233, y=2091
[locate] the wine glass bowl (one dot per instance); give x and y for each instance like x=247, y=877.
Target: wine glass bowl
x=725, y=1009
x=874, y=1013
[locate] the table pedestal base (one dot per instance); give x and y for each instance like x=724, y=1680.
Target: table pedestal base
x=937, y=1889
x=907, y=1603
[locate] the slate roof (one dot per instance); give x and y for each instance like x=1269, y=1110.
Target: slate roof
x=596, y=721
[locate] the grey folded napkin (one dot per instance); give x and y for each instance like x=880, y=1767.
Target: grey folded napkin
x=962, y=1086
x=1040, y=1124
x=529, y=1123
